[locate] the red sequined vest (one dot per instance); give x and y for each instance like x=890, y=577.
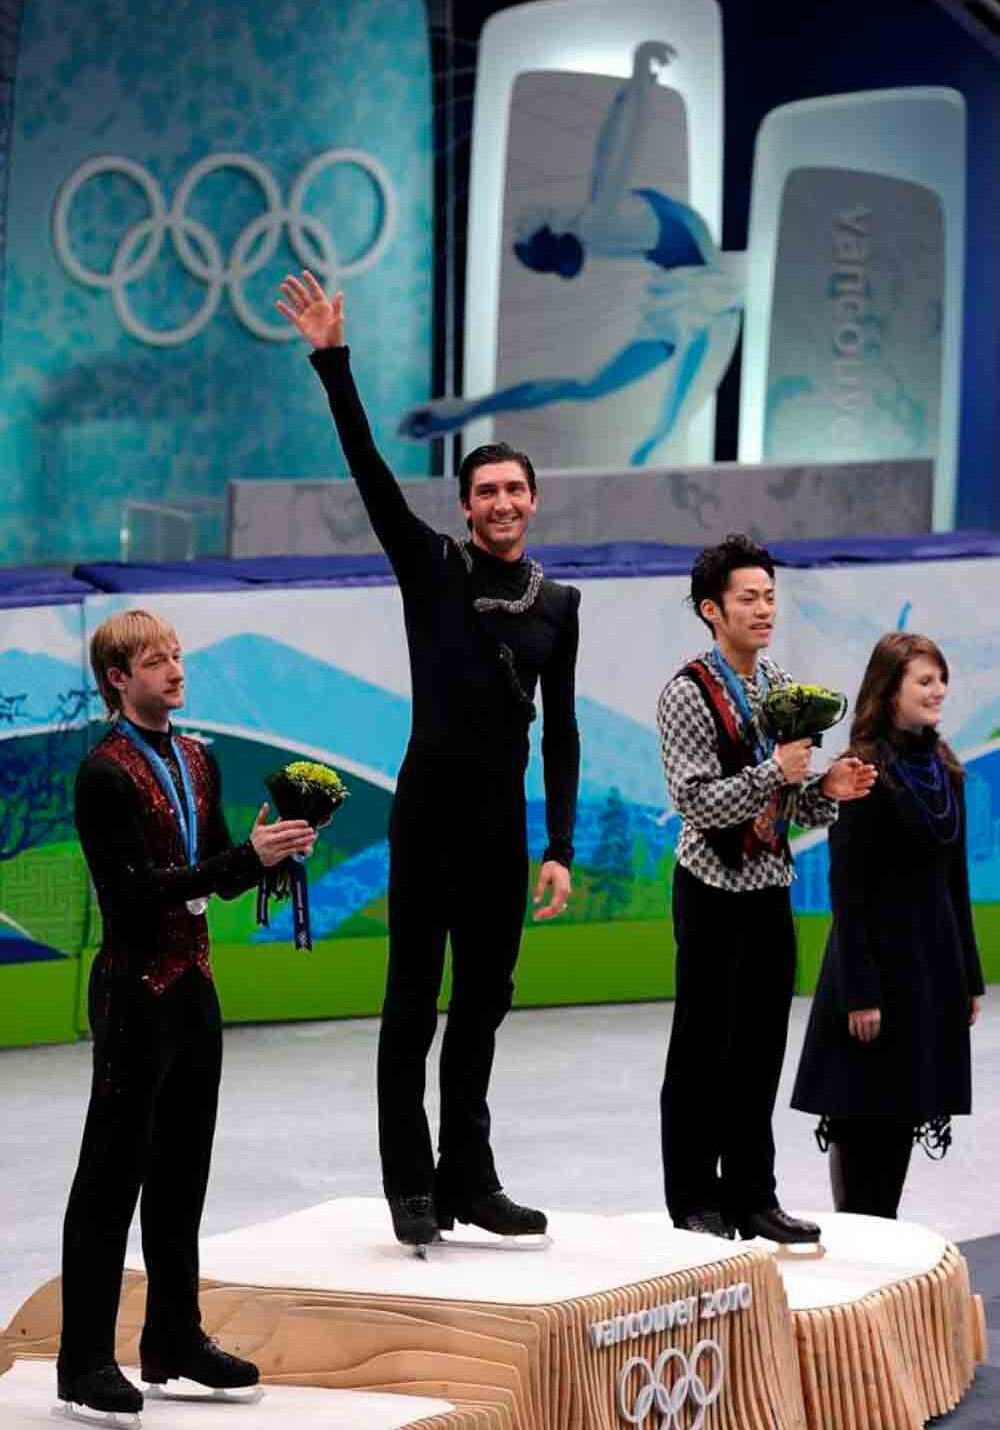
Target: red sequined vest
x=176, y=938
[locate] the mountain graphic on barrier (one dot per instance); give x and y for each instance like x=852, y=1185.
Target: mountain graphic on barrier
x=261, y=690
x=32, y=685
x=16, y=947
x=255, y=683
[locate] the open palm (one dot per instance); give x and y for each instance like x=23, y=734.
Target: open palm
x=318, y=318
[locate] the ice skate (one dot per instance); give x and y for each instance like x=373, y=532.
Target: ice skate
x=792, y=1239
x=515, y=1228
x=99, y=1397
x=414, y=1222
x=708, y=1222
x=189, y=1392
x=205, y=1373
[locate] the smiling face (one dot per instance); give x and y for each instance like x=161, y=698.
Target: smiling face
x=922, y=690
x=152, y=686
x=744, y=622
x=499, y=507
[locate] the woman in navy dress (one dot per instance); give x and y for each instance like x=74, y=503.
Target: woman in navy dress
x=886, y=1059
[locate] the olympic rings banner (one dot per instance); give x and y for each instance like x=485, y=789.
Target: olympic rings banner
x=166, y=166
x=322, y=673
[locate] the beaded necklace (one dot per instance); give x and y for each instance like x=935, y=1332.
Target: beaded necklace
x=928, y=781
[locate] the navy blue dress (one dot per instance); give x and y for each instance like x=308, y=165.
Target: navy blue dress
x=902, y=941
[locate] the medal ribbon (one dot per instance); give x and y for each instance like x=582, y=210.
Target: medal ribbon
x=186, y=815
x=298, y=886
x=762, y=748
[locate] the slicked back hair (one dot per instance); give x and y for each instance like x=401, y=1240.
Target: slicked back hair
x=486, y=456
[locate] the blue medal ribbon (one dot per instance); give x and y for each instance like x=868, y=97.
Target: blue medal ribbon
x=186, y=814
x=762, y=747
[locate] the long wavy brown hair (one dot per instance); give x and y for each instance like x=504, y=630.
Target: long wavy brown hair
x=873, y=726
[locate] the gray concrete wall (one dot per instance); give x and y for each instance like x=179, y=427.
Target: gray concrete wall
x=688, y=506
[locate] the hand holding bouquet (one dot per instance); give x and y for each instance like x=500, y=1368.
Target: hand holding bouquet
x=305, y=790
x=799, y=712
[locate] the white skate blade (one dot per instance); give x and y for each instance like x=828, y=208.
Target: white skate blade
x=191, y=1393
x=797, y=1250
x=490, y=1242
x=789, y=1250
x=83, y=1415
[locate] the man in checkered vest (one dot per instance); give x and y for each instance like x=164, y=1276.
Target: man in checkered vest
x=731, y=906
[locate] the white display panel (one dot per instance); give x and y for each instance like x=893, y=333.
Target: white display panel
x=592, y=38
x=852, y=330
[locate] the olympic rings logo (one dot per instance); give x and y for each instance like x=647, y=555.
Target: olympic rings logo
x=198, y=250
x=670, y=1399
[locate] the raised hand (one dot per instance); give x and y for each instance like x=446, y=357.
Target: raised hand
x=318, y=318
x=275, y=842
x=651, y=55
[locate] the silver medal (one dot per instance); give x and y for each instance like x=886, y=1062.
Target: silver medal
x=196, y=906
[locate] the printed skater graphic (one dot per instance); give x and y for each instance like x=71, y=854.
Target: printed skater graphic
x=691, y=321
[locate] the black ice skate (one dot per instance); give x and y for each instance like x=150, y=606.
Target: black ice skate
x=519, y=1227
x=414, y=1222
x=99, y=1397
x=224, y=1376
x=707, y=1223
x=791, y=1236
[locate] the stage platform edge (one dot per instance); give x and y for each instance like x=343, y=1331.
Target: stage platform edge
x=553, y=1339
x=28, y=1397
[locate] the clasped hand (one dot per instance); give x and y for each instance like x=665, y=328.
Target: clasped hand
x=277, y=842
x=847, y=778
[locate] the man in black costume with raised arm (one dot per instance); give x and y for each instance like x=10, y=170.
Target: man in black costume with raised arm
x=484, y=628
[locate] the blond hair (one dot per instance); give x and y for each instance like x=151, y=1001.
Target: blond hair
x=116, y=643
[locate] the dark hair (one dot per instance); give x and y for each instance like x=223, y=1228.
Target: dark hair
x=873, y=723
x=713, y=567
x=485, y=457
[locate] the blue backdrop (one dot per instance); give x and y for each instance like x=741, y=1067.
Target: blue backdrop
x=140, y=360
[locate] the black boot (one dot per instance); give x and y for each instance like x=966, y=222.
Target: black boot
x=708, y=1222
x=205, y=1363
x=413, y=1219
x=773, y=1224
x=493, y=1211
x=104, y=1389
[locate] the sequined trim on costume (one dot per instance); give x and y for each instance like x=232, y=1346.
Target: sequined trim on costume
x=519, y=604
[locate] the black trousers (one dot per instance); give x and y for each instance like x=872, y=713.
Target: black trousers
x=150, y=1125
x=458, y=869
x=735, y=977
x=868, y=1164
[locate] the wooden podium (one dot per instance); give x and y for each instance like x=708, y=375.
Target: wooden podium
x=622, y=1321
